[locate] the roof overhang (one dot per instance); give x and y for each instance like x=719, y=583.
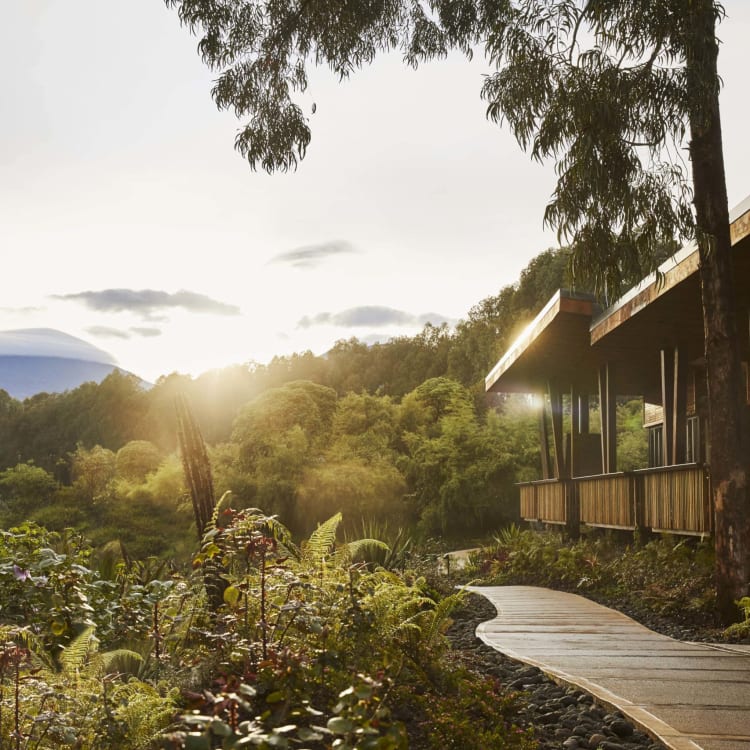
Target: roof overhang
x=554, y=347
x=665, y=311
x=568, y=340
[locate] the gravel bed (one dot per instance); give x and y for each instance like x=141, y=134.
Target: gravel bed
x=561, y=717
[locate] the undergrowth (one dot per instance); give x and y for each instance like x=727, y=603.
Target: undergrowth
x=665, y=576
x=266, y=644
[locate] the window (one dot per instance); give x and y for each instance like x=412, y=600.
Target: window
x=656, y=446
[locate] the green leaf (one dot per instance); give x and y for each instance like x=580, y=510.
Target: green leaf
x=340, y=725
x=220, y=728
x=308, y=735
x=232, y=595
x=196, y=741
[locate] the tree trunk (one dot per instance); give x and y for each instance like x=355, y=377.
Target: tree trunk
x=729, y=440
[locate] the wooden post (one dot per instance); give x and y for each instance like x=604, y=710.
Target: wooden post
x=668, y=388
x=608, y=418
x=639, y=504
x=575, y=432
x=583, y=411
x=572, y=510
x=555, y=401
x=544, y=440
x=679, y=410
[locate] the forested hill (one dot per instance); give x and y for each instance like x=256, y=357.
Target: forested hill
x=46, y=428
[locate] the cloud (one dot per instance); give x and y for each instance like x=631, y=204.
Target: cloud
x=311, y=256
x=107, y=332
x=20, y=310
x=146, y=302
x=119, y=333
x=146, y=332
x=371, y=315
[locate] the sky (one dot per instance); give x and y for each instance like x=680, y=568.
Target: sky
x=128, y=219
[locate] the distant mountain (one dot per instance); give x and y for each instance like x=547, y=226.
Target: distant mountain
x=36, y=360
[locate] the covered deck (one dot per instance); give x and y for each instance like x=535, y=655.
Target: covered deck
x=648, y=344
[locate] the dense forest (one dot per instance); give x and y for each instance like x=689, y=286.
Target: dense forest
x=398, y=433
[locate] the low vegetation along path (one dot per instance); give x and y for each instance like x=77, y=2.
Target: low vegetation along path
x=685, y=694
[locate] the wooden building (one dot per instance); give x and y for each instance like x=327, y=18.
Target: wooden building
x=648, y=344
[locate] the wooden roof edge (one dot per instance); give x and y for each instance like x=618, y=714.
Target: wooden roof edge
x=739, y=210
x=674, y=270
x=562, y=301
x=739, y=221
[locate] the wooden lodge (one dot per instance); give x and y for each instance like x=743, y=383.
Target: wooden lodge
x=648, y=344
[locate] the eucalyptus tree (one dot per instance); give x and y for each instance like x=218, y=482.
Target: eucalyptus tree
x=614, y=91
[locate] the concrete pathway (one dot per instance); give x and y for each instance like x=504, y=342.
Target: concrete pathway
x=687, y=695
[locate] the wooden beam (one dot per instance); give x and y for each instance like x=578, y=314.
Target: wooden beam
x=555, y=402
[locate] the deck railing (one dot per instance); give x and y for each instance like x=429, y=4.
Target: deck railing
x=676, y=498
x=544, y=499
x=670, y=498
x=607, y=500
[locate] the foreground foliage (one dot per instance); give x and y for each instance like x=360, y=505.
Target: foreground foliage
x=310, y=646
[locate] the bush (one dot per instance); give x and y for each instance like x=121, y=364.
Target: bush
x=664, y=576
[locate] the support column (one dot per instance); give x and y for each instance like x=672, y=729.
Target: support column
x=575, y=432
x=583, y=410
x=555, y=400
x=544, y=440
x=608, y=417
x=668, y=386
x=679, y=410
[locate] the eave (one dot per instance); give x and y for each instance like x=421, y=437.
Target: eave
x=554, y=347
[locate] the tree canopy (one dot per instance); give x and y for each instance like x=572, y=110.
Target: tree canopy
x=604, y=88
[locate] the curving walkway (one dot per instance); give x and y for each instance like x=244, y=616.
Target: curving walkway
x=687, y=695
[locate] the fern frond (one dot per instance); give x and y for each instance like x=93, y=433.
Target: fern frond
x=283, y=537
x=367, y=550
x=122, y=661
x=322, y=540
x=145, y=711
x=224, y=502
x=441, y=614
x=77, y=652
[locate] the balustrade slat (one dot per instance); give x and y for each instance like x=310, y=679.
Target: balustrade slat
x=674, y=499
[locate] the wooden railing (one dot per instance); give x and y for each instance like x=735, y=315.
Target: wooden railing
x=676, y=498
x=607, y=500
x=670, y=498
x=543, y=500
